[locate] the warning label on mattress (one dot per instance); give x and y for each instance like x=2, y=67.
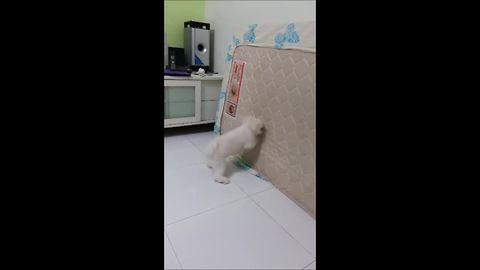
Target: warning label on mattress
x=231, y=109
x=234, y=86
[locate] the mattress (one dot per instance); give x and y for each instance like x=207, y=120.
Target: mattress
x=278, y=87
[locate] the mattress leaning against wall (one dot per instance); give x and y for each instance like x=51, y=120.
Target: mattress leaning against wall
x=277, y=85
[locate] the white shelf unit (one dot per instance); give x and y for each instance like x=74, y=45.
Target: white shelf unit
x=190, y=100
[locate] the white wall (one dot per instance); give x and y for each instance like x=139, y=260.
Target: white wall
x=224, y=16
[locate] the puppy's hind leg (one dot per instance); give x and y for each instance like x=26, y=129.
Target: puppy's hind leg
x=209, y=150
x=209, y=162
x=219, y=172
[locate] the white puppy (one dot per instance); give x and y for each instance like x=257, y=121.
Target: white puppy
x=231, y=143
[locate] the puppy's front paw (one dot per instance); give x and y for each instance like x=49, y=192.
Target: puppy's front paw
x=222, y=179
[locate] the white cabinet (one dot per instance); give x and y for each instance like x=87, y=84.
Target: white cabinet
x=181, y=102
x=190, y=100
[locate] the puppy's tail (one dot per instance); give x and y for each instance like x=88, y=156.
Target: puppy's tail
x=211, y=147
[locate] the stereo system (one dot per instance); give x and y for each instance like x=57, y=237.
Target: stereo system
x=197, y=37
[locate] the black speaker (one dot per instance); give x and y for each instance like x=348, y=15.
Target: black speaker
x=176, y=58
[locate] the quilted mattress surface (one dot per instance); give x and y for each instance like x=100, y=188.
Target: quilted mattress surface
x=278, y=87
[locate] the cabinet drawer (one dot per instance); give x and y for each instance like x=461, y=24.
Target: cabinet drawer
x=179, y=93
x=208, y=110
x=211, y=89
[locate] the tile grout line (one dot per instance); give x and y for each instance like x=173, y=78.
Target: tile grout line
x=261, y=191
x=173, y=249
x=264, y=210
x=194, y=147
x=218, y=206
x=183, y=167
x=178, y=149
x=195, y=144
x=205, y=211
x=305, y=267
x=246, y=195
x=185, y=139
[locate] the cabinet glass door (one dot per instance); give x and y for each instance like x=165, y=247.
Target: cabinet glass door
x=181, y=101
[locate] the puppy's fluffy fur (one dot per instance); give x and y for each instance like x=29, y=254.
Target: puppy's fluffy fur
x=231, y=143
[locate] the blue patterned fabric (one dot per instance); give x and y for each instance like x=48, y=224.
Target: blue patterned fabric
x=216, y=130
x=228, y=58
x=249, y=36
x=290, y=36
x=236, y=41
x=221, y=96
x=279, y=40
x=242, y=165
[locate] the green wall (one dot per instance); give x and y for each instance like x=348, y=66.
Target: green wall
x=175, y=13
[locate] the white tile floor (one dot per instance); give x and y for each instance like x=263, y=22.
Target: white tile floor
x=247, y=224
